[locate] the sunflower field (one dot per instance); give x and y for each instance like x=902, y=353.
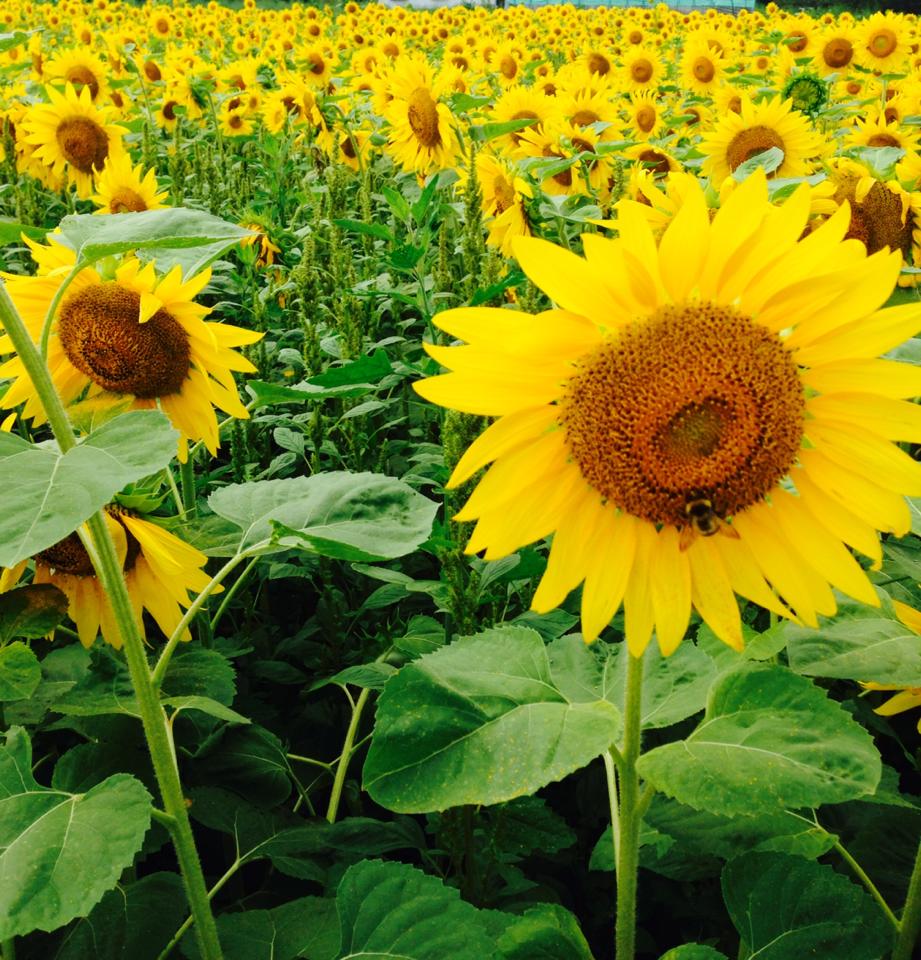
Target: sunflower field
x=460, y=482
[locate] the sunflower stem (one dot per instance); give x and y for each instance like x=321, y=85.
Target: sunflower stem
x=53, y=306
x=160, y=669
x=102, y=553
x=231, y=593
x=629, y=815
x=910, y=924
x=862, y=876
x=187, y=479
x=347, y=750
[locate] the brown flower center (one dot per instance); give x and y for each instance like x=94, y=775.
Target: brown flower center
x=84, y=144
x=882, y=42
x=749, y=143
x=102, y=338
x=703, y=69
x=877, y=219
x=126, y=200
x=81, y=77
x=694, y=402
x=655, y=161
x=68, y=556
x=422, y=114
x=646, y=118
x=583, y=118
x=599, y=63
x=883, y=140
x=798, y=41
x=838, y=52
x=152, y=71
x=504, y=193
x=641, y=70
x=508, y=67
x=522, y=115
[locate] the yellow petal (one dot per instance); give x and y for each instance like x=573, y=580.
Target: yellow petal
x=684, y=247
x=639, y=613
x=611, y=563
x=712, y=593
x=670, y=588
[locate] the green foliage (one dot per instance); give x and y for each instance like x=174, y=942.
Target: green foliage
x=481, y=721
x=50, y=838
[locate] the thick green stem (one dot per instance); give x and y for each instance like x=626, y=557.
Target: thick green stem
x=105, y=561
x=231, y=593
x=862, y=876
x=8, y=949
x=181, y=932
x=343, y=765
x=910, y=925
x=630, y=817
x=187, y=479
x=610, y=775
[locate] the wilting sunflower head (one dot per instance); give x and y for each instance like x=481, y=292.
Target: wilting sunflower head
x=700, y=416
x=160, y=571
x=129, y=333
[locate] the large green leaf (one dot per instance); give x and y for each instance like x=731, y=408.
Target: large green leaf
x=787, y=908
x=390, y=911
x=481, y=721
x=769, y=739
x=20, y=672
x=693, y=951
x=133, y=922
x=866, y=648
x=308, y=928
x=31, y=612
x=48, y=495
x=349, y=516
x=60, y=852
x=175, y=228
x=546, y=931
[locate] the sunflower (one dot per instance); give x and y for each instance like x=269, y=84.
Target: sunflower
x=80, y=68
x=883, y=42
x=503, y=194
x=422, y=137
x=642, y=69
x=160, y=571
x=121, y=188
x=520, y=103
x=132, y=335
x=644, y=115
x=70, y=135
x=834, y=50
x=761, y=126
x=874, y=130
x=697, y=418
x=702, y=68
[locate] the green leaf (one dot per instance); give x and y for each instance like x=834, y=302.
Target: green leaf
x=546, y=931
x=347, y=516
x=31, y=612
x=271, y=394
x=481, y=132
x=390, y=911
x=174, y=228
x=60, y=852
x=769, y=739
x=47, y=495
x=366, y=370
x=132, y=922
x=251, y=761
x=10, y=231
x=194, y=671
x=674, y=687
x=20, y=672
x=480, y=721
x=14, y=39
x=693, y=951
x=768, y=160
x=700, y=833
x=205, y=705
x=377, y=230
x=308, y=927
x=866, y=648
x=786, y=908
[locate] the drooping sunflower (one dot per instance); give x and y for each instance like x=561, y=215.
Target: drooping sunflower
x=160, y=571
x=422, y=137
x=759, y=127
x=70, y=135
x=503, y=193
x=122, y=188
x=129, y=335
x=697, y=418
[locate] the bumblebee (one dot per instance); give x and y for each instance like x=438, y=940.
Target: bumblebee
x=703, y=521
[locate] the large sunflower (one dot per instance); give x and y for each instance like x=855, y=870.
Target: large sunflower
x=422, y=137
x=760, y=127
x=696, y=419
x=130, y=335
x=160, y=570
x=71, y=135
